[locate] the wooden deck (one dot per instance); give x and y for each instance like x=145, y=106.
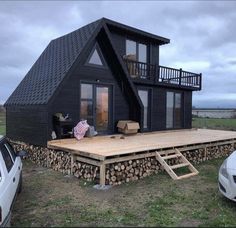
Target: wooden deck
x=107, y=147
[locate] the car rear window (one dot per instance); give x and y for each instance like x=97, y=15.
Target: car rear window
x=6, y=157
x=11, y=151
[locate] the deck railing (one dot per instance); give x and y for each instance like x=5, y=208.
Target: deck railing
x=140, y=70
x=162, y=74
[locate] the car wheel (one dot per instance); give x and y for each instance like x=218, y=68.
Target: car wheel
x=20, y=184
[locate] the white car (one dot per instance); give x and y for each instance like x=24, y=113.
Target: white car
x=10, y=179
x=227, y=177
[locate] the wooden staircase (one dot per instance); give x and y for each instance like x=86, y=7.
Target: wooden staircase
x=170, y=169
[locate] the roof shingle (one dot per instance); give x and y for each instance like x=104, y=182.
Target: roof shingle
x=48, y=71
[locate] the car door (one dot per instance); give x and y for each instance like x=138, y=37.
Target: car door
x=17, y=167
x=11, y=183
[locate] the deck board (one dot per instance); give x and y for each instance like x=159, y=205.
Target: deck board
x=100, y=147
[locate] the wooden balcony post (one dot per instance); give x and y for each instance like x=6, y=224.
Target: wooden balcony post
x=156, y=77
x=180, y=76
x=200, y=81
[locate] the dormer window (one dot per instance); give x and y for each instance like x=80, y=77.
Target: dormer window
x=136, y=51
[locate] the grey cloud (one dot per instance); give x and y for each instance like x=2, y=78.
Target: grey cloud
x=202, y=36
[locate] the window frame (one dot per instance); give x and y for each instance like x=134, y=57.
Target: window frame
x=149, y=108
x=174, y=125
x=97, y=48
x=137, y=49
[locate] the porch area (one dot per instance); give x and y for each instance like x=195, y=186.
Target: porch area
x=105, y=152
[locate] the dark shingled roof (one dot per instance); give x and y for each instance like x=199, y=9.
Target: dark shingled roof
x=51, y=67
x=49, y=70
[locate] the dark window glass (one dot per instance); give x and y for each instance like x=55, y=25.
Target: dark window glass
x=95, y=58
x=11, y=151
x=177, y=110
x=102, y=108
x=169, y=109
x=143, y=94
x=86, y=91
x=6, y=157
x=86, y=109
x=142, y=53
x=131, y=50
x=173, y=110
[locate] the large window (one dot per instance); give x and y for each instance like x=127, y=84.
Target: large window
x=136, y=51
x=94, y=105
x=144, y=96
x=173, y=110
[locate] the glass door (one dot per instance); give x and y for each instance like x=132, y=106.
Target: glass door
x=173, y=110
x=144, y=96
x=95, y=106
x=102, y=110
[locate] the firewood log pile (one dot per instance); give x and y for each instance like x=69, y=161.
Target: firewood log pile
x=119, y=172
x=57, y=160
x=85, y=171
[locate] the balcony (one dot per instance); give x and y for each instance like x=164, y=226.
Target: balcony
x=144, y=72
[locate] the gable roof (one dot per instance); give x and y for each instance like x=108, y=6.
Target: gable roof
x=49, y=70
x=47, y=73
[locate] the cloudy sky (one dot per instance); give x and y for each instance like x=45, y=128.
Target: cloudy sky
x=202, y=34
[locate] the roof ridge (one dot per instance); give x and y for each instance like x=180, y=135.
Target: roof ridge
x=76, y=30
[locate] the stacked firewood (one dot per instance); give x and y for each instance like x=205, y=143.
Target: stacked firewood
x=117, y=173
x=59, y=161
x=203, y=154
x=85, y=171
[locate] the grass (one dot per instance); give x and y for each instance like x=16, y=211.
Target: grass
x=211, y=123
x=2, y=123
x=51, y=199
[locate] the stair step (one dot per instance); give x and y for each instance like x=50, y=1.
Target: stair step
x=179, y=165
x=171, y=156
x=187, y=175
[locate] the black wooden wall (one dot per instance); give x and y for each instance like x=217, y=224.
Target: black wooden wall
x=68, y=98
x=27, y=123
x=158, y=106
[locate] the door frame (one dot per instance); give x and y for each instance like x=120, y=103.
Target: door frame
x=173, y=114
x=110, y=86
x=149, y=115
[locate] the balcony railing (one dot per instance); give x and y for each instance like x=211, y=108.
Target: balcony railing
x=161, y=74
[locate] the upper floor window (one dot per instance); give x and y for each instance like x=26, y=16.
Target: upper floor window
x=136, y=51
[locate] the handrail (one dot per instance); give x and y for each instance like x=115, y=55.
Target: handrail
x=163, y=74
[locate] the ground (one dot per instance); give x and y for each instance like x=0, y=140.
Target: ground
x=50, y=198
x=212, y=123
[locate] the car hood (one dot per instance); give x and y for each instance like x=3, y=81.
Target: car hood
x=231, y=161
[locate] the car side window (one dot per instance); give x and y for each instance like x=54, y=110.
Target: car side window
x=11, y=151
x=6, y=157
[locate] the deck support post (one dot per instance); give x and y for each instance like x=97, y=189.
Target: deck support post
x=102, y=173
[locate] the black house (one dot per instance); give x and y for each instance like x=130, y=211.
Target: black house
x=103, y=72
